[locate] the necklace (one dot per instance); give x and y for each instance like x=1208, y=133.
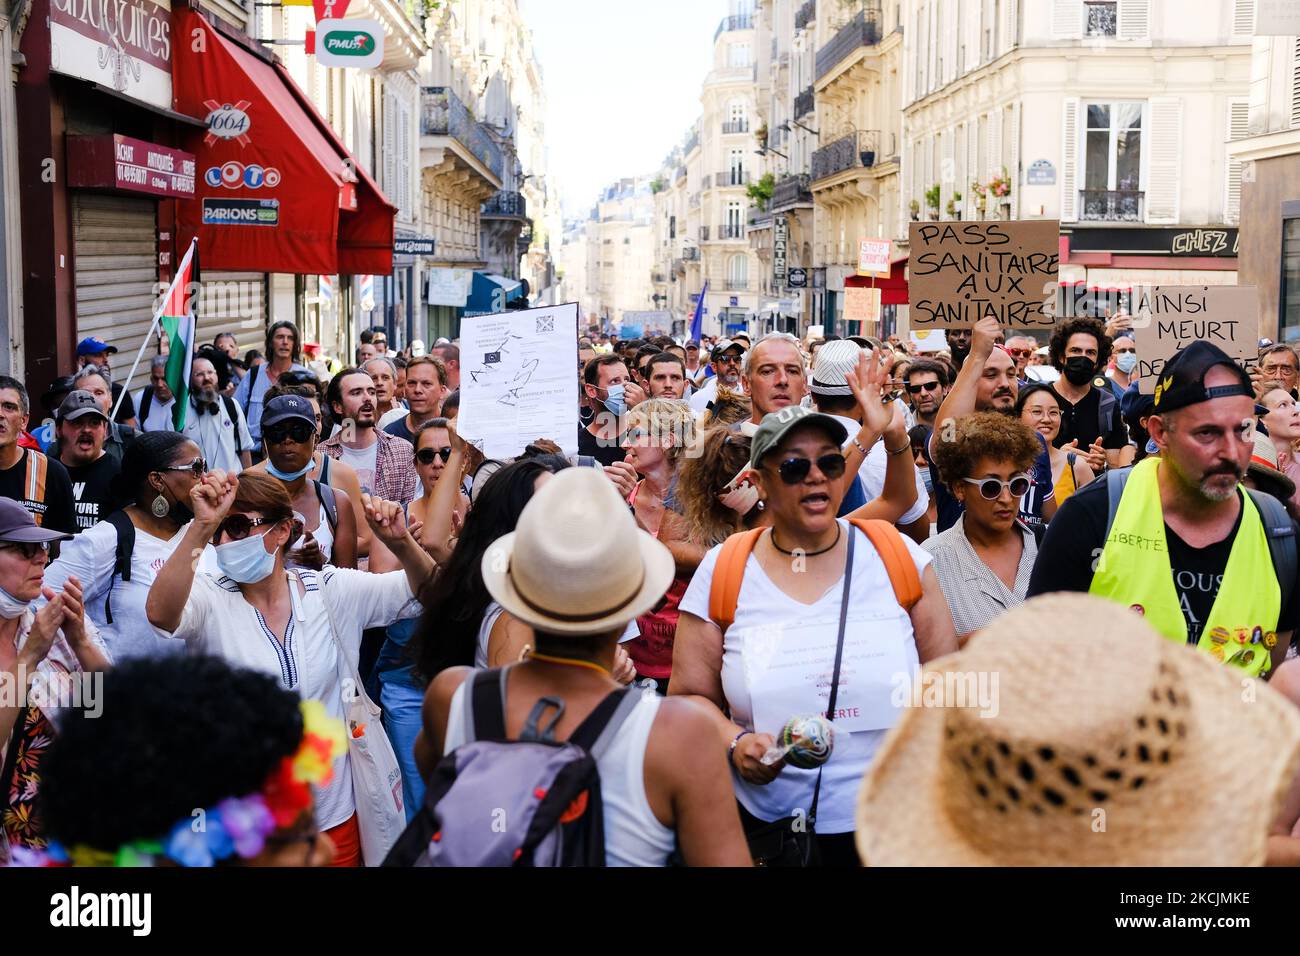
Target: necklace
x=568, y=661
x=810, y=554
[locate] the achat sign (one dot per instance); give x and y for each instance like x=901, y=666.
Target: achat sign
x=349, y=43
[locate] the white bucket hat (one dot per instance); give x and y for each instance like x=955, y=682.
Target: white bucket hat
x=835, y=360
x=576, y=562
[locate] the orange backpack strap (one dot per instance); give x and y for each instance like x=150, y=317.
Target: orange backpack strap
x=37, y=466
x=898, y=560
x=728, y=573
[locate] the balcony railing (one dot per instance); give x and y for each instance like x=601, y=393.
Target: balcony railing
x=735, y=126
x=443, y=114
x=731, y=230
x=706, y=182
x=847, y=152
x=742, y=22
x=760, y=215
x=805, y=15
x=691, y=254
x=1112, y=205
x=506, y=205
x=681, y=173
x=862, y=30
x=691, y=143
x=658, y=277
x=695, y=201
x=704, y=233
x=731, y=177
x=791, y=192
x=804, y=103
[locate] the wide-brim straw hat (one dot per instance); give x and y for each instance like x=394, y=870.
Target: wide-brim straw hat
x=1110, y=746
x=577, y=563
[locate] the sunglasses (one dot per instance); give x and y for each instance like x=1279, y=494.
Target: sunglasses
x=795, y=470
x=239, y=527
x=728, y=360
x=991, y=488
x=199, y=467
x=923, y=387
x=425, y=455
x=1020, y=353
x=300, y=432
x=28, y=549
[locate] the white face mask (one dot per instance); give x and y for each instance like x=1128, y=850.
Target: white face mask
x=10, y=606
x=741, y=494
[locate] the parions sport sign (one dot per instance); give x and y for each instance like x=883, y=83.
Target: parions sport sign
x=122, y=44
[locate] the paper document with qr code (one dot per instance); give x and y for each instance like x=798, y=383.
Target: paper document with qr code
x=519, y=379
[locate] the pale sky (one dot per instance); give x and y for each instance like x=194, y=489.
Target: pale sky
x=622, y=81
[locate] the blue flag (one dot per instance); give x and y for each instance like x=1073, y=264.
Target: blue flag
x=697, y=322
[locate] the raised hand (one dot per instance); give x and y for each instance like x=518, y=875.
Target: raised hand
x=386, y=519
x=74, y=612
x=309, y=554
x=45, y=628
x=984, y=336
x=624, y=477
x=212, y=496
x=868, y=381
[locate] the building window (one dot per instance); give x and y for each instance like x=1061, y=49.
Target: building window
x=737, y=55
x=1112, y=176
x=1289, y=293
x=1101, y=18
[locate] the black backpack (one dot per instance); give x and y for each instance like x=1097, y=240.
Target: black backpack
x=120, y=521
x=534, y=801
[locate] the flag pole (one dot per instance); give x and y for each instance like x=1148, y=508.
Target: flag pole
x=157, y=317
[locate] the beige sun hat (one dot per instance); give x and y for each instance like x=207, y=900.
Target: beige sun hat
x=1110, y=746
x=576, y=563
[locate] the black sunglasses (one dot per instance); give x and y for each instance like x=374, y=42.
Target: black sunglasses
x=795, y=470
x=425, y=455
x=923, y=387
x=238, y=527
x=991, y=488
x=28, y=549
x=300, y=432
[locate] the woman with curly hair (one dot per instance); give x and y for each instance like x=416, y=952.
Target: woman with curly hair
x=717, y=494
x=985, y=559
x=728, y=408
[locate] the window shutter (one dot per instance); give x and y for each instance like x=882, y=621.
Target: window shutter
x=994, y=160
x=404, y=168
x=390, y=148
x=1164, y=173
x=1070, y=159
x=1134, y=19
x=1010, y=20
x=1067, y=19
x=1013, y=150
x=1243, y=18
x=947, y=174
x=951, y=31
x=972, y=20
x=1238, y=123
x=1295, y=87
x=972, y=169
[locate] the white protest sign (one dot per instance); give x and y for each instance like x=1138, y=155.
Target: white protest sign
x=874, y=256
x=1168, y=318
x=519, y=379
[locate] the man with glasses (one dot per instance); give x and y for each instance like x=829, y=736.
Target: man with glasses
x=1277, y=364
x=1021, y=349
x=1124, y=350
x=727, y=358
x=215, y=422
x=926, y=382
x=38, y=483
x=82, y=429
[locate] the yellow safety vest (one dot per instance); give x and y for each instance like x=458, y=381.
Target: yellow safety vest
x=1134, y=569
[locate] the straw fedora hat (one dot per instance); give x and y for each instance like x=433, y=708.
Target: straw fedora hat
x=577, y=563
x=1109, y=746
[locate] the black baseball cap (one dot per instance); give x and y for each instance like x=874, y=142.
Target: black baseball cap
x=283, y=408
x=78, y=404
x=1182, y=381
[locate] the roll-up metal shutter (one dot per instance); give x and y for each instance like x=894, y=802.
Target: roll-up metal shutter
x=115, y=275
x=232, y=302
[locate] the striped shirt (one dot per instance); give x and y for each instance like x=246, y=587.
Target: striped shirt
x=975, y=594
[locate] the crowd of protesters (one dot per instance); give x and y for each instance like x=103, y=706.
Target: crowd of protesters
x=732, y=587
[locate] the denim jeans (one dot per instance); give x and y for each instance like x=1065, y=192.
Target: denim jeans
x=401, y=703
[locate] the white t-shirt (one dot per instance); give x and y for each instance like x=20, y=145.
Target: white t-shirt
x=708, y=392
x=217, y=620
x=218, y=436
x=392, y=415
x=90, y=556
x=763, y=615
x=362, y=461
x=872, y=473
x=160, y=413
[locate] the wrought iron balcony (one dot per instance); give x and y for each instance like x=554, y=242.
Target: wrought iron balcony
x=847, y=152
x=443, y=114
x=506, y=205
x=791, y=192
x=806, y=14
x=742, y=22
x=706, y=182
x=862, y=30
x=760, y=216
x=731, y=230
x=736, y=285
x=1112, y=205
x=704, y=233
x=731, y=177
x=691, y=143
x=691, y=254
x=658, y=277
x=735, y=126
x=804, y=103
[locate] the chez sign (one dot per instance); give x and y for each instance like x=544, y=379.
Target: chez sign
x=122, y=44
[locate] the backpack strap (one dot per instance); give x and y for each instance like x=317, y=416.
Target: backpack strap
x=34, y=481
x=229, y=403
x=1116, y=479
x=325, y=469
x=484, y=702
x=1280, y=531
x=252, y=380
x=125, y=529
x=898, y=560
x=728, y=573
x=326, y=495
x=1106, y=405
x=146, y=403
x=597, y=732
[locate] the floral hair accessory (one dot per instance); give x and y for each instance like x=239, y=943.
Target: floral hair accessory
x=236, y=825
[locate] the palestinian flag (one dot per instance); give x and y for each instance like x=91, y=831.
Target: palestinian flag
x=178, y=321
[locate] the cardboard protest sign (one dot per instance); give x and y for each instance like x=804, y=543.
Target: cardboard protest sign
x=961, y=272
x=874, y=256
x=862, y=305
x=1167, y=318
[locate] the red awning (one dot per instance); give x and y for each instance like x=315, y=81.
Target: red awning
x=893, y=291
x=275, y=190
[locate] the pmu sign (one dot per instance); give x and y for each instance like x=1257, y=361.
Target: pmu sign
x=780, y=242
x=350, y=43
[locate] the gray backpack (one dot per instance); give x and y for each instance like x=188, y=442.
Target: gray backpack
x=534, y=801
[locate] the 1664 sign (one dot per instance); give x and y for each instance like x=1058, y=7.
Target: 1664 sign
x=780, y=243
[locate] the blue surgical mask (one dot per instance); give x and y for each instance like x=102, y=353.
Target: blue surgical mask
x=1126, y=362
x=614, y=400
x=288, y=475
x=246, y=561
